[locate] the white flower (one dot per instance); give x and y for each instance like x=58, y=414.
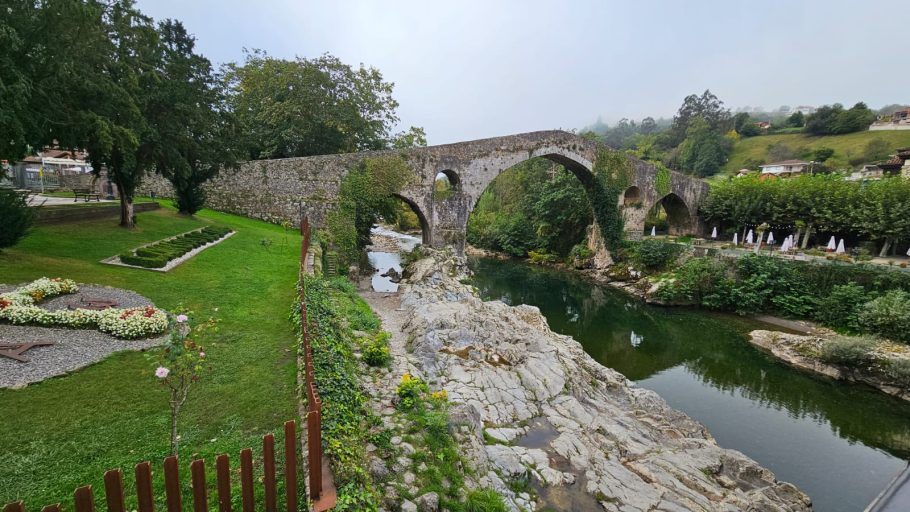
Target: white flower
x=162, y=372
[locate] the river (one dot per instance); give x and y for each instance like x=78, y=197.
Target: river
x=841, y=443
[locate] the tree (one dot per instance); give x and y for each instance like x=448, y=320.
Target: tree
x=835, y=120
x=17, y=216
x=780, y=151
x=303, y=107
x=823, y=153
x=884, y=211
x=191, y=131
x=707, y=107
x=796, y=120
x=704, y=151
x=745, y=126
x=876, y=150
x=648, y=126
x=415, y=137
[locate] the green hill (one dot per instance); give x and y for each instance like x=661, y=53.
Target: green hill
x=845, y=147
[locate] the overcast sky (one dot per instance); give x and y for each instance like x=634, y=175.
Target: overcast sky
x=471, y=69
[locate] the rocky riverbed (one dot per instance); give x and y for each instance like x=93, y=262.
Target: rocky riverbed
x=803, y=352
x=529, y=403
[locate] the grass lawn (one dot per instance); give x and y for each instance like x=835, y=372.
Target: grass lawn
x=844, y=146
x=65, y=432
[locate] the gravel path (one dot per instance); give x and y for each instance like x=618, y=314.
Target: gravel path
x=75, y=348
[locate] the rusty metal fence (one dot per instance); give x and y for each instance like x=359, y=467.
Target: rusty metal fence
x=322, y=488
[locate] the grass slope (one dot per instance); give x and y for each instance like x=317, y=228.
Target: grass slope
x=844, y=146
x=65, y=432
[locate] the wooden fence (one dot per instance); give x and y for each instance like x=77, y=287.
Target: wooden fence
x=114, y=495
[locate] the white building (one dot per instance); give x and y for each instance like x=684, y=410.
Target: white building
x=785, y=168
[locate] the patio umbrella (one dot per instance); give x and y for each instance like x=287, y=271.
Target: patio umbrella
x=908, y=252
x=736, y=239
x=653, y=230
x=832, y=244
x=770, y=237
x=749, y=237
x=785, y=246
x=840, y=247
x=714, y=232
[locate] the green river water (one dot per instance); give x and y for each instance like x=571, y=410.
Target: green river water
x=841, y=443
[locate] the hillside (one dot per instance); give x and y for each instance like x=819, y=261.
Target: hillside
x=845, y=146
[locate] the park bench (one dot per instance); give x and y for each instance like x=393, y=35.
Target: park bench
x=86, y=193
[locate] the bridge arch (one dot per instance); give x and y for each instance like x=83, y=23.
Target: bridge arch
x=425, y=231
x=679, y=216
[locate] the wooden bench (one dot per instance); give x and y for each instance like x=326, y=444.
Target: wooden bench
x=86, y=193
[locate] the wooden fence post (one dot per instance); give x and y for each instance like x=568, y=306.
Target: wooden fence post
x=268, y=464
x=200, y=492
x=223, y=468
x=84, y=500
x=17, y=506
x=246, y=479
x=290, y=466
x=113, y=491
x=144, y=487
x=172, y=485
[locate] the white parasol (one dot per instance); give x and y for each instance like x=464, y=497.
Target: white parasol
x=840, y=247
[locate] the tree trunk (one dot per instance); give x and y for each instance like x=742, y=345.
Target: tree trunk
x=799, y=233
x=127, y=215
x=175, y=409
x=884, y=252
x=806, y=236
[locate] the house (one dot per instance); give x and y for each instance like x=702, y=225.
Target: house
x=763, y=125
x=869, y=172
x=898, y=120
x=743, y=172
x=50, y=168
x=804, y=110
x=785, y=168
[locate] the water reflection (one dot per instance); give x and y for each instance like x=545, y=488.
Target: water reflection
x=841, y=443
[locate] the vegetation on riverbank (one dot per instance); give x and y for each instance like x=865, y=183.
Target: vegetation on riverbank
x=853, y=298
x=408, y=455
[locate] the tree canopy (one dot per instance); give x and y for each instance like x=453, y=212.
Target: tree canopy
x=304, y=107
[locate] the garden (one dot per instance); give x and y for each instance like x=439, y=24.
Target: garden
x=116, y=412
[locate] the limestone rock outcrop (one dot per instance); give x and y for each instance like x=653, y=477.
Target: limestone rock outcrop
x=530, y=403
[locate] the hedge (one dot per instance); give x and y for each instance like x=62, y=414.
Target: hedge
x=160, y=253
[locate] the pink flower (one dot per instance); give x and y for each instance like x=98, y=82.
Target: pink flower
x=202, y=354
x=162, y=372
x=182, y=318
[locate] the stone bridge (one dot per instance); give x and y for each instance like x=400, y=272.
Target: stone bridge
x=285, y=189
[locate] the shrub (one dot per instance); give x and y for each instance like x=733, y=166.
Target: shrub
x=580, y=251
x=410, y=391
x=376, y=351
x=541, y=256
x=696, y=280
x=656, y=254
x=840, y=308
x=888, y=315
x=852, y=352
x=17, y=217
x=158, y=255
x=484, y=500
x=897, y=371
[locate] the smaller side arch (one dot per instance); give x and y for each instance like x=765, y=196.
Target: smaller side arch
x=631, y=196
x=679, y=217
x=425, y=231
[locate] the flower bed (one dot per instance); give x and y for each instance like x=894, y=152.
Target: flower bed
x=20, y=307
x=158, y=255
